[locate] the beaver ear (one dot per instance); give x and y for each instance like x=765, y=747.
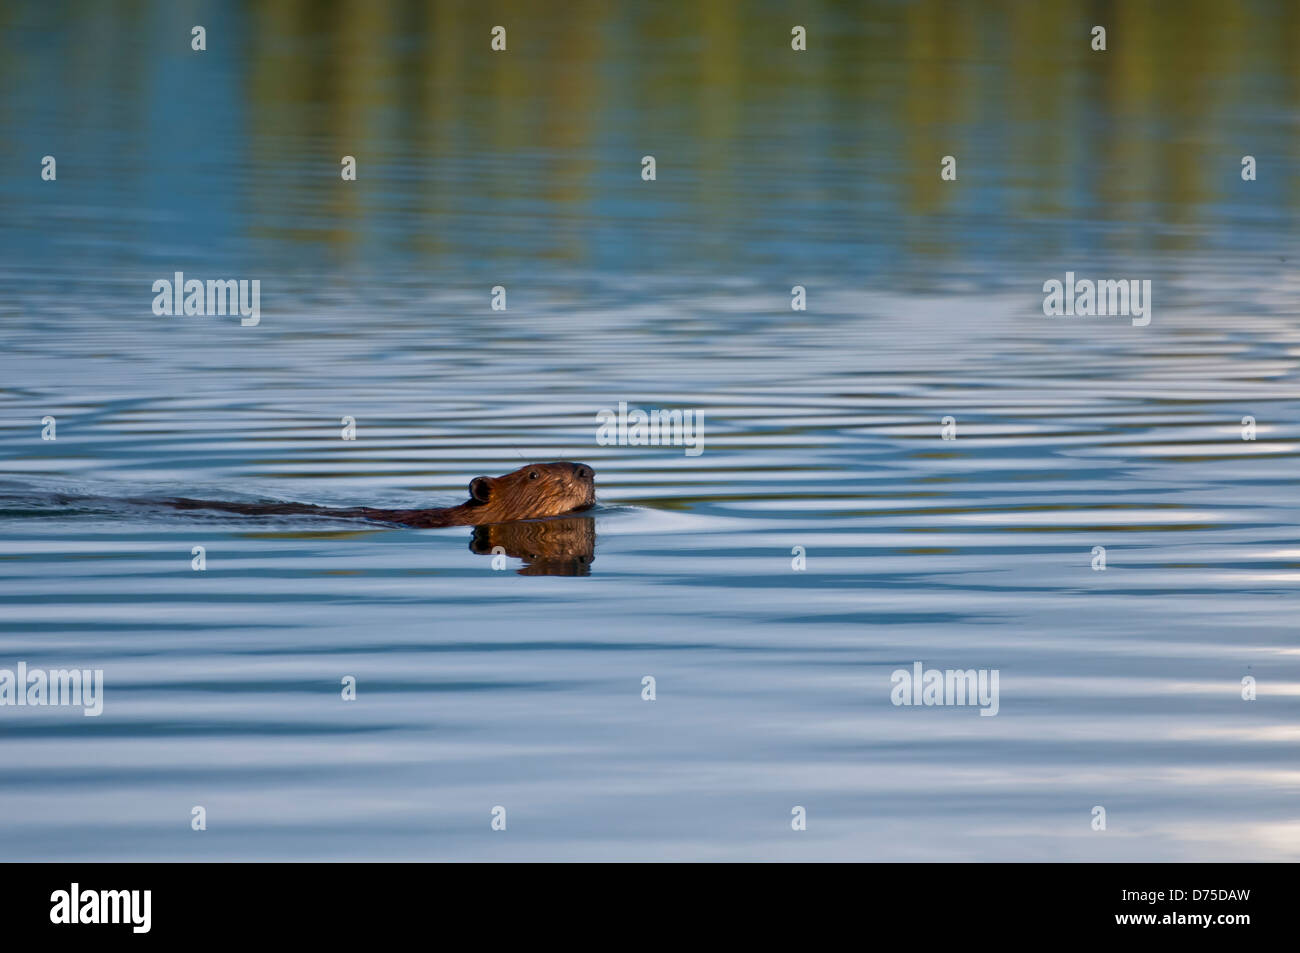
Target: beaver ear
x=480, y=488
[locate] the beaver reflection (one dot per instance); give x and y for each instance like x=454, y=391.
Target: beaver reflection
x=565, y=546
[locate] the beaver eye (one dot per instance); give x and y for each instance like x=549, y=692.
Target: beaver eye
x=532, y=474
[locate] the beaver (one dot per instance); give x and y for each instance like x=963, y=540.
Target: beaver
x=532, y=492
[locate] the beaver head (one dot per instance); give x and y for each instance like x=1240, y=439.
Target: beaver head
x=532, y=492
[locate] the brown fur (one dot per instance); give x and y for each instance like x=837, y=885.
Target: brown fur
x=531, y=492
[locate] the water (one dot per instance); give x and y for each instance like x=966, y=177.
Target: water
x=479, y=688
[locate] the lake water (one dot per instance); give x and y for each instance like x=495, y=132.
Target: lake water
x=522, y=687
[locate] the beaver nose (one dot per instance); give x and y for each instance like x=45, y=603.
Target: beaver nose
x=583, y=472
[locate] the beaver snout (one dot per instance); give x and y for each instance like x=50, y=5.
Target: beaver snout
x=584, y=472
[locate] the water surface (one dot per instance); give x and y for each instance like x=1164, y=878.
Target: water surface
x=480, y=687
